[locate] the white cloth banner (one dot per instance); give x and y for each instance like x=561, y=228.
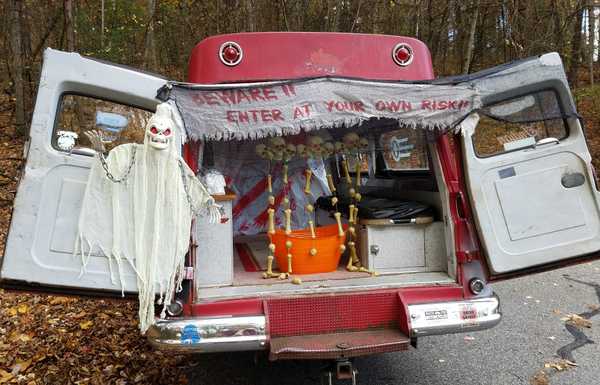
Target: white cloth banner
x=286, y=108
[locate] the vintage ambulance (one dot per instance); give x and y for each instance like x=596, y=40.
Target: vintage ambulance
x=456, y=182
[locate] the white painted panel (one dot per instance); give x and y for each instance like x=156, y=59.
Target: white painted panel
x=64, y=230
x=399, y=246
x=214, y=254
x=536, y=203
x=404, y=248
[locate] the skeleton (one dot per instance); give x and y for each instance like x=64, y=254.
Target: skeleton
x=353, y=145
x=266, y=153
x=278, y=150
x=138, y=207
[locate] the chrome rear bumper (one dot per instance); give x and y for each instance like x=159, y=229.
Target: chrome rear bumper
x=208, y=335
x=227, y=334
x=454, y=317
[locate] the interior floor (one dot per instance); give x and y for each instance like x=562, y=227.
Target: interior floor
x=251, y=283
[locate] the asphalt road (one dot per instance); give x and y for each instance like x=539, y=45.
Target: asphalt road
x=530, y=335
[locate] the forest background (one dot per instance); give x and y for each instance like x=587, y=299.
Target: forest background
x=47, y=339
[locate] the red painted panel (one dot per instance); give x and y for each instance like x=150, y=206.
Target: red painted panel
x=238, y=307
x=292, y=55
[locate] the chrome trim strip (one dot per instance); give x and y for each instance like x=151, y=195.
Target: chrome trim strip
x=454, y=317
x=207, y=335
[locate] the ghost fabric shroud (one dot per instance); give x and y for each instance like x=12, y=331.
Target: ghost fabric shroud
x=145, y=219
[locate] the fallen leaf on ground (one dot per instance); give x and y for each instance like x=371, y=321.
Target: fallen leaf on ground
x=593, y=307
x=540, y=378
x=60, y=300
x=86, y=325
x=5, y=376
x=20, y=367
x=560, y=365
x=576, y=320
x=22, y=308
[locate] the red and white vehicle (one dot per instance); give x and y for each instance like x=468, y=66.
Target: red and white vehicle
x=512, y=193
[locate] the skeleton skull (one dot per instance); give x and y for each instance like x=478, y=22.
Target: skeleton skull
x=158, y=130
x=302, y=151
x=278, y=147
x=328, y=149
x=340, y=148
x=364, y=144
x=290, y=151
x=314, y=146
x=263, y=151
x=351, y=141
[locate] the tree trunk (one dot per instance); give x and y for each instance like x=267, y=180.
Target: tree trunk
x=591, y=38
x=249, y=4
x=69, y=26
x=150, y=61
x=471, y=42
x=16, y=9
x=576, y=45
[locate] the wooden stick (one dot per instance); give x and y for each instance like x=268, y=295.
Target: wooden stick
x=351, y=214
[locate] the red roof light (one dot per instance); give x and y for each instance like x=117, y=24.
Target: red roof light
x=402, y=54
x=230, y=53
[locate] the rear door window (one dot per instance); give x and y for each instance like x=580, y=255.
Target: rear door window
x=519, y=123
x=77, y=114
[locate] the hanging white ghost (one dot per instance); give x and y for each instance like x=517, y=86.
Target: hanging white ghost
x=138, y=206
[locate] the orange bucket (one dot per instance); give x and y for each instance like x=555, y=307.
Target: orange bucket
x=327, y=243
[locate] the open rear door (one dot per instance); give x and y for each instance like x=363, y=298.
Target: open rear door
x=530, y=178
x=75, y=94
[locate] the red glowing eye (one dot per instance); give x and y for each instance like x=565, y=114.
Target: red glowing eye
x=167, y=132
x=154, y=130
x=402, y=54
x=230, y=53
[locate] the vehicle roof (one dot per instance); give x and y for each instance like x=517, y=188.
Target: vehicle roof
x=294, y=55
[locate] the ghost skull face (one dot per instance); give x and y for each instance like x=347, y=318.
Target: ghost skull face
x=159, y=135
x=159, y=130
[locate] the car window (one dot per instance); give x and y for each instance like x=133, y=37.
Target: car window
x=119, y=123
x=518, y=123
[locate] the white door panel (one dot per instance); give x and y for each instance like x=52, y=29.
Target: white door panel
x=525, y=215
x=39, y=247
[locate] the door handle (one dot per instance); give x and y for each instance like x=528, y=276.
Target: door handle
x=573, y=179
x=544, y=141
